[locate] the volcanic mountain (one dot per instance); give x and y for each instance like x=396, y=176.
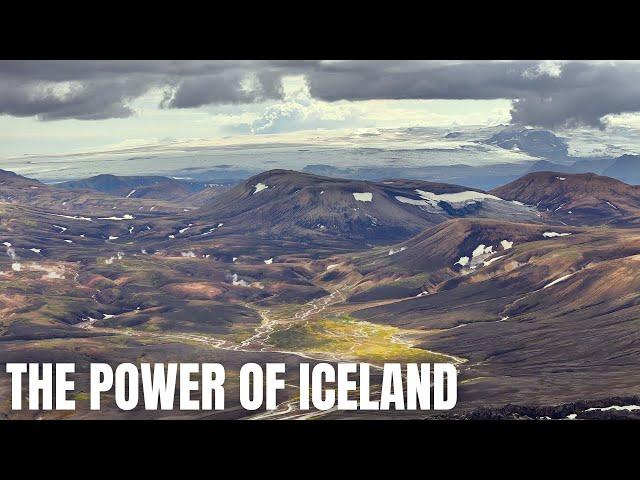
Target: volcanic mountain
x=294, y=205
x=444, y=244
x=423, y=263
x=579, y=199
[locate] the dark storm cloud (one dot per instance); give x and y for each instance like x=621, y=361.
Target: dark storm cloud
x=420, y=79
x=88, y=100
x=543, y=94
x=548, y=94
x=90, y=90
x=583, y=95
x=225, y=87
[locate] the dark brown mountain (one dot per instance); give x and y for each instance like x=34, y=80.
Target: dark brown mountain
x=294, y=205
x=578, y=199
x=13, y=180
x=425, y=262
x=206, y=195
x=444, y=244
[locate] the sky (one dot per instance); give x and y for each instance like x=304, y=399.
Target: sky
x=59, y=107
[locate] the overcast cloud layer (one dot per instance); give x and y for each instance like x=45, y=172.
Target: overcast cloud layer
x=549, y=94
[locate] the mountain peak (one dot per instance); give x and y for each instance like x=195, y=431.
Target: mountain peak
x=577, y=199
x=309, y=206
x=9, y=177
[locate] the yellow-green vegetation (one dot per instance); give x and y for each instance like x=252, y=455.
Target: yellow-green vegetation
x=239, y=333
x=347, y=338
x=284, y=310
x=127, y=341
x=234, y=332
x=60, y=308
x=80, y=396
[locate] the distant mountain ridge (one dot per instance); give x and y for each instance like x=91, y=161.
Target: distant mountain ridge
x=18, y=189
x=554, y=154
x=485, y=177
x=626, y=168
x=535, y=142
x=151, y=187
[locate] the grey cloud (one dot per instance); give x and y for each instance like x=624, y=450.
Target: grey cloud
x=363, y=80
x=577, y=93
x=582, y=94
x=225, y=87
x=91, y=90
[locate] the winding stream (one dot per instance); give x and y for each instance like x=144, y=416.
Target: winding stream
x=258, y=342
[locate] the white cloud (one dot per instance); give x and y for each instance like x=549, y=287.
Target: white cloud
x=299, y=111
x=549, y=68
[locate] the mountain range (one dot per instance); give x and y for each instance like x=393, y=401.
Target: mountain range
x=149, y=187
x=531, y=288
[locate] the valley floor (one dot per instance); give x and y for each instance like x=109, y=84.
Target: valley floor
x=318, y=331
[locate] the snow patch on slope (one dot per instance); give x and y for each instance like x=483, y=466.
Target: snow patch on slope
x=506, y=244
x=236, y=282
x=491, y=260
x=411, y=201
x=124, y=217
x=463, y=262
x=72, y=217
x=555, y=234
x=459, y=197
x=363, y=197
x=259, y=187
x=555, y=282
x=628, y=408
